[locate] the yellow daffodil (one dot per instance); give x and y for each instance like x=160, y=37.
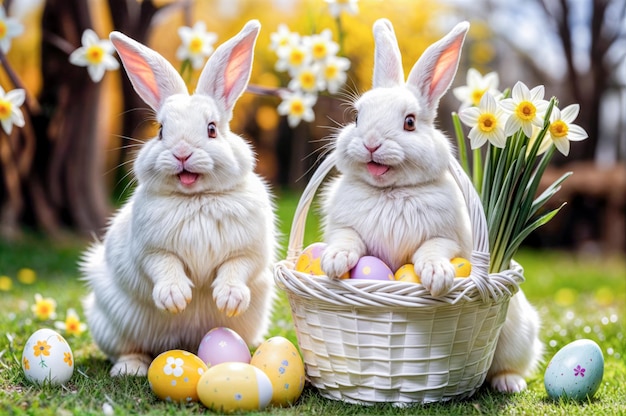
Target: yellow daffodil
x=5, y=283
x=26, y=276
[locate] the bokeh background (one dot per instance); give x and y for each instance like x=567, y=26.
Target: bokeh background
x=68, y=168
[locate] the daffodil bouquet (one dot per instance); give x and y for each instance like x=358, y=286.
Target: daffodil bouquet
x=522, y=131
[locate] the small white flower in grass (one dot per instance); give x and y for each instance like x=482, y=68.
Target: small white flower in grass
x=477, y=85
x=10, y=113
x=72, y=324
x=562, y=130
x=297, y=107
x=335, y=7
x=334, y=73
x=321, y=46
x=292, y=57
x=173, y=366
x=283, y=38
x=307, y=80
x=9, y=28
x=96, y=54
x=197, y=44
x=526, y=108
x=487, y=122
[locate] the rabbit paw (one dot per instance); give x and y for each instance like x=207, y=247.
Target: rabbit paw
x=337, y=261
x=437, y=275
x=508, y=383
x=131, y=365
x=172, y=296
x=233, y=300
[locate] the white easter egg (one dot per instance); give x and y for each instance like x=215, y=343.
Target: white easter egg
x=232, y=387
x=575, y=371
x=47, y=357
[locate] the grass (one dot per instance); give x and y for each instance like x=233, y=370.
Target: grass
x=577, y=296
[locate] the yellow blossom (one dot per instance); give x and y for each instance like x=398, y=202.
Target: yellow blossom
x=5, y=283
x=44, y=308
x=26, y=276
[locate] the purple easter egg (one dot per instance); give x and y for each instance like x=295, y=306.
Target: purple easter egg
x=223, y=345
x=371, y=268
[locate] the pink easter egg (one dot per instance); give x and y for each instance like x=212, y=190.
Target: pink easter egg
x=222, y=345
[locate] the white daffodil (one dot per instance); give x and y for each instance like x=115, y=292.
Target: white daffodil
x=10, y=112
x=487, y=122
x=321, y=45
x=283, y=38
x=96, y=54
x=477, y=85
x=562, y=130
x=9, y=28
x=72, y=324
x=335, y=7
x=292, y=57
x=297, y=107
x=526, y=108
x=197, y=44
x=334, y=73
x=307, y=80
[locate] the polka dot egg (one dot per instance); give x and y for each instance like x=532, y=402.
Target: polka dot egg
x=310, y=259
x=47, y=358
x=372, y=268
x=174, y=375
x=280, y=361
x=462, y=267
x=232, y=387
x=407, y=274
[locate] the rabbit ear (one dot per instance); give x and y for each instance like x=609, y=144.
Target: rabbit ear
x=226, y=74
x=388, y=70
x=433, y=73
x=152, y=76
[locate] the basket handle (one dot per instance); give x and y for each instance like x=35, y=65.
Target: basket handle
x=480, y=237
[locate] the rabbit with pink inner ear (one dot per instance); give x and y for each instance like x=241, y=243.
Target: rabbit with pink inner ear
x=192, y=249
x=395, y=198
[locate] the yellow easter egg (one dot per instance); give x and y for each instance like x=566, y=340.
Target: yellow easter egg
x=279, y=359
x=233, y=387
x=173, y=376
x=462, y=267
x=310, y=259
x=407, y=273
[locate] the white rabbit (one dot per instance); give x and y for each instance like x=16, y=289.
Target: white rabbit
x=395, y=198
x=192, y=248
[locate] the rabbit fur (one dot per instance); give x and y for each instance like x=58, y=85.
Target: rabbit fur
x=192, y=249
x=395, y=198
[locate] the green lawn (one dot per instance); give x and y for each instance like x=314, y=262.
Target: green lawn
x=577, y=296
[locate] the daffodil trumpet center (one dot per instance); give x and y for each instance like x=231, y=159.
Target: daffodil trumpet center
x=487, y=122
x=95, y=54
x=5, y=109
x=526, y=111
x=559, y=129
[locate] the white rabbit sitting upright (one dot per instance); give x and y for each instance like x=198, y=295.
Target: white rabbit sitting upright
x=192, y=249
x=395, y=198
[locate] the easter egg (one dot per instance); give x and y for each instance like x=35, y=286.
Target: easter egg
x=173, y=375
x=279, y=359
x=310, y=259
x=221, y=345
x=231, y=387
x=575, y=371
x=407, y=273
x=462, y=267
x=47, y=358
x=372, y=268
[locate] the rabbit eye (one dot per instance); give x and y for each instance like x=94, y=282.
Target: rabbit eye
x=160, y=132
x=212, y=131
x=409, y=123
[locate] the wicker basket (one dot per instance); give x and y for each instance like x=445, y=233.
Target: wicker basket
x=371, y=341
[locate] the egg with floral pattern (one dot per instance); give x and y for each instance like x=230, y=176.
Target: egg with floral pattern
x=47, y=358
x=575, y=371
x=173, y=376
x=233, y=387
x=281, y=362
x=310, y=259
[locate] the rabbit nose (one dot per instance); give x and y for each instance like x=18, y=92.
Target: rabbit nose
x=372, y=149
x=182, y=158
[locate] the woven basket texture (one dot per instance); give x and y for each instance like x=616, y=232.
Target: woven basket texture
x=386, y=341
